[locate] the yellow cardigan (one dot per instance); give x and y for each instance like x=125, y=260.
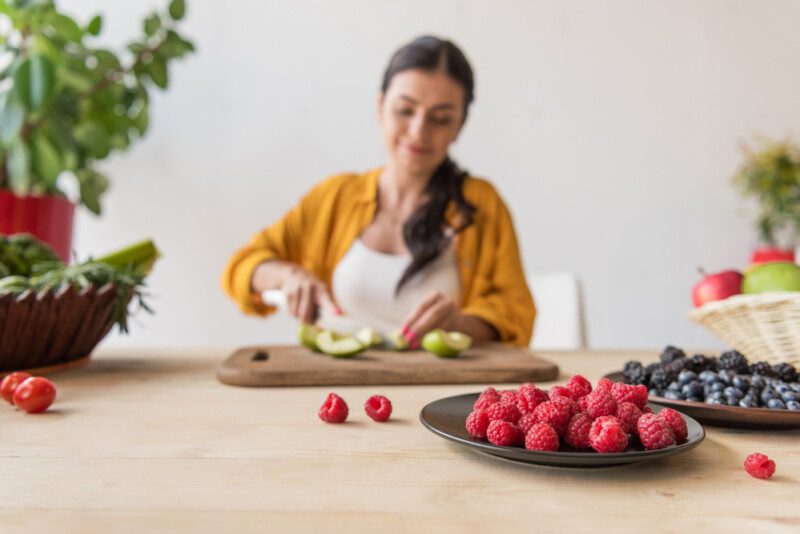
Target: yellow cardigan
x=319, y=230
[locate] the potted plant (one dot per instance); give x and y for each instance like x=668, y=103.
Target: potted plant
x=66, y=104
x=771, y=174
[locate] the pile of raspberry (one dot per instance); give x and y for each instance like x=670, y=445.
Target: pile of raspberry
x=604, y=418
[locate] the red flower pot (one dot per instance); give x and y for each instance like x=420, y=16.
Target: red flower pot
x=49, y=218
x=769, y=254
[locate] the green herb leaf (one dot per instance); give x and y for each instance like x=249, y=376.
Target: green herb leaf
x=95, y=25
x=177, y=9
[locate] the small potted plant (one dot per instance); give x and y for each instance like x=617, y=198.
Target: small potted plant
x=66, y=104
x=771, y=174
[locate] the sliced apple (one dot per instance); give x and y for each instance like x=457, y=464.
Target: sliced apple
x=338, y=345
x=369, y=337
x=397, y=341
x=307, y=333
x=446, y=344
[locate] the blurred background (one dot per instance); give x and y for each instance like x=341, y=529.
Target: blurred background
x=611, y=129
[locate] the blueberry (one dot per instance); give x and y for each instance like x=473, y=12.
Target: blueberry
x=732, y=391
x=726, y=375
x=714, y=401
x=692, y=389
x=793, y=405
x=795, y=386
x=741, y=382
x=708, y=376
x=717, y=387
x=776, y=404
x=732, y=400
x=790, y=396
x=674, y=386
x=684, y=377
x=747, y=402
x=759, y=382
x=782, y=387
x=715, y=396
x=768, y=394
x=694, y=399
x=673, y=395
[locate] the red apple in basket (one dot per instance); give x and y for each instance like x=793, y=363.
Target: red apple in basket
x=768, y=254
x=716, y=286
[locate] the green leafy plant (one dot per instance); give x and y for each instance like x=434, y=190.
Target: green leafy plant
x=771, y=174
x=66, y=104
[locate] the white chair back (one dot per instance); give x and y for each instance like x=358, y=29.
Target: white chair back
x=559, y=311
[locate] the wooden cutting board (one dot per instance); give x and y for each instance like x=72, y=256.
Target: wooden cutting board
x=294, y=365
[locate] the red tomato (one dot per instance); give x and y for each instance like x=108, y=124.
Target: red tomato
x=10, y=383
x=35, y=394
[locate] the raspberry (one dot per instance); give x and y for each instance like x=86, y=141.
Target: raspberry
x=503, y=412
x=599, y=403
x=579, y=386
x=654, y=432
x=378, y=407
x=508, y=397
x=333, y=410
x=583, y=403
x=577, y=434
x=486, y=399
x=628, y=414
x=567, y=403
x=606, y=435
x=553, y=414
x=605, y=384
x=541, y=437
x=526, y=422
x=647, y=409
x=560, y=391
x=759, y=465
x=477, y=423
x=676, y=423
x=530, y=397
x=502, y=433
x=629, y=393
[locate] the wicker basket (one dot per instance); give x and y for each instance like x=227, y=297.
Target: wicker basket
x=765, y=326
x=52, y=328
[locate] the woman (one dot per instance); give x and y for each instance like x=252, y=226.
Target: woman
x=414, y=245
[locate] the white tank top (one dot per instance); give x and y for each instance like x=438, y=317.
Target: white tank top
x=364, y=287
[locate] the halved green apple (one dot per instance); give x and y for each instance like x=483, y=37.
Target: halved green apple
x=338, y=345
x=446, y=344
x=307, y=333
x=397, y=341
x=369, y=337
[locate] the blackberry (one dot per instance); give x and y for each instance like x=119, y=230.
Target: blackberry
x=761, y=368
x=785, y=372
x=670, y=354
x=677, y=365
x=661, y=377
x=633, y=372
x=734, y=361
x=699, y=363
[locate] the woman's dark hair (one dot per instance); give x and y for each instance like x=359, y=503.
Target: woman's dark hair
x=423, y=232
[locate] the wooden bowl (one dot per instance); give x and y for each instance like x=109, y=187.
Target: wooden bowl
x=50, y=328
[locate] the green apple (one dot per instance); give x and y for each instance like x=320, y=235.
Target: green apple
x=338, y=345
x=308, y=336
x=773, y=276
x=398, y=341
x=369, y=337
x=446, y=344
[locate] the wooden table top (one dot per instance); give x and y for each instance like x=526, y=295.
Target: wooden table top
x=148, y=440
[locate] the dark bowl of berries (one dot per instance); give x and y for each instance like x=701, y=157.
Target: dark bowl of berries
x=725, y=390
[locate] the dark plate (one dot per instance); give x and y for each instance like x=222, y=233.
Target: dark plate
x=446, y=418
x=727, y=416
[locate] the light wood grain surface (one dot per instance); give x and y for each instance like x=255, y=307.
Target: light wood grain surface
x=149, y=441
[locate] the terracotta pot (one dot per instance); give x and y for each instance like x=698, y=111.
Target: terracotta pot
x=768, y=254
x=49, y=218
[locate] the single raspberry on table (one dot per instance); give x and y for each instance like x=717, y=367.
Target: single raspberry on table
x=579, y=385
x=560, y=391
x=503, y=433
x=503, y=412
x=333, y=410
x=759, y=466
x=553, y=414
x=565, y=402
x=526, y=422
x=676, y=423
x=607, y=436
x=529, y=397
x=478, y=423
x=654, y=432
x=541, y=437
x=378, y=407
x=488, y=397
x=577, y=434
x=630, y=393
x=628, y=414
x=599, y=403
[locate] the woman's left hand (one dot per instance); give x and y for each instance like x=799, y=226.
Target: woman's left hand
x=435, y=311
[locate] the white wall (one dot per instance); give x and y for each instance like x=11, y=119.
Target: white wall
x=611, y=128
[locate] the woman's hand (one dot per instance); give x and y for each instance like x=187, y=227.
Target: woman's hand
x=306, y=294
x=439, y=311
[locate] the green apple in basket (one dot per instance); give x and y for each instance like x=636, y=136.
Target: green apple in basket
x=773, y=276
x=338, y=345
x=446, y=344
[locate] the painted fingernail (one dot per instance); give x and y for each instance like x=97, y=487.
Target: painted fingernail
x=404, y=330
x=410, y=336
x=338, y=311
